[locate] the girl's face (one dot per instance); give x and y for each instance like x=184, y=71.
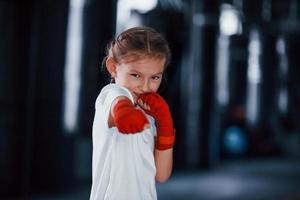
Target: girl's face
x=139, y=76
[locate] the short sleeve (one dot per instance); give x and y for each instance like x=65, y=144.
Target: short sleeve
x=107, y=95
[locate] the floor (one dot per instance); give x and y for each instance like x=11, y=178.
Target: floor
x=258, y=179
x=244, y=180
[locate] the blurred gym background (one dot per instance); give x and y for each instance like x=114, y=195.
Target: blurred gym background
x=233, y=87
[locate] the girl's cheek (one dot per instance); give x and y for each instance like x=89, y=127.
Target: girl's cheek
x=155, y=88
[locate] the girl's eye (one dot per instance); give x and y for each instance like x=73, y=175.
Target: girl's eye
x=135, y=75
x=156, y=78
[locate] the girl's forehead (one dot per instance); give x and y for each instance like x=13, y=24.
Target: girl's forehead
x=146, y=61
x=140, y=57
x=143, y=60
x=147, y=65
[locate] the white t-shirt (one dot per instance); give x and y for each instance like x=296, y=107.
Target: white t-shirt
x=123, y=164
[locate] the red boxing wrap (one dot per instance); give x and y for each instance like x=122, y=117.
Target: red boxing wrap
x=127, y=118
x=159, y=110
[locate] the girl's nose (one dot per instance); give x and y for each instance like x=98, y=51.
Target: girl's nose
x=146, y=87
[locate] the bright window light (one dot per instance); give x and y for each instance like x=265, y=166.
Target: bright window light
x=125, y=8
x=283, y=99
x=143, y=6
x=222, y=71
x=72, y=78
x=254, y=78
x=230, y=23
x=254, y=71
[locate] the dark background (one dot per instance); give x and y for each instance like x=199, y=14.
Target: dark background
x=40, y=159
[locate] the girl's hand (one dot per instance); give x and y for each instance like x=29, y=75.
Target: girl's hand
x=129, y=119
x=156, y=106
x=144, y=105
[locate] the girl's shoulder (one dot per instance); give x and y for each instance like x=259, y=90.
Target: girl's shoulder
x=112, y=91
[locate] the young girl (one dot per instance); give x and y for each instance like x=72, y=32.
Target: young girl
x=133, y=133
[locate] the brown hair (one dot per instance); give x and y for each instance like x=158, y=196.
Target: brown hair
x=135, y=43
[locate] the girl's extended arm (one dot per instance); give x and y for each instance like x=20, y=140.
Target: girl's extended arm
x=126, y=117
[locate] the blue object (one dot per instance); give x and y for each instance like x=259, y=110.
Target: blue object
x=235, y=142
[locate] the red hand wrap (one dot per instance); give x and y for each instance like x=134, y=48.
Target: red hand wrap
x=127, y=118
x=159, y=110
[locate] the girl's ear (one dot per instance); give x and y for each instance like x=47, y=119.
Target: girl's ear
x=111, y=66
